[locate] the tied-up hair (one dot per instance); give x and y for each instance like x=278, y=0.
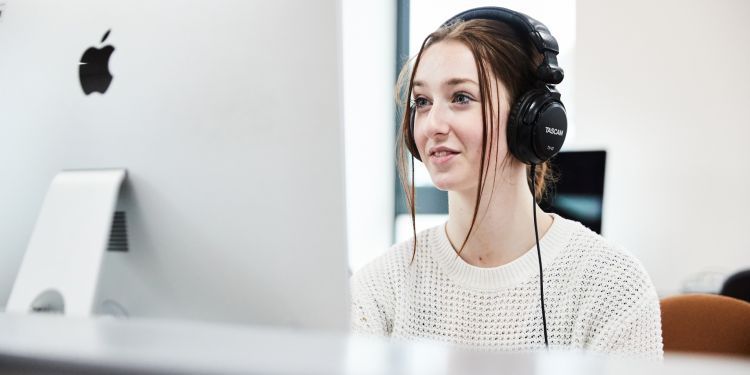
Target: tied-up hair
x=500, y=53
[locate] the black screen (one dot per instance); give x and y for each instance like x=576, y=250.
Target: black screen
x=579, y=191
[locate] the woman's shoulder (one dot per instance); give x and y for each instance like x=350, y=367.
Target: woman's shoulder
x=601, y=263
x=615, y=303
x=594, y=248
x=392, y=265
x=384, y=267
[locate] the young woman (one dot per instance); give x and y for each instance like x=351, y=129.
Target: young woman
x=475, y=281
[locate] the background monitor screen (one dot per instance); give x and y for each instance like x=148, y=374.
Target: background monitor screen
x=227, y=117
x=578, y=193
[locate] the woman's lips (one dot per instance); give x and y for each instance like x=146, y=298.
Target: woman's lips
x=442, y=157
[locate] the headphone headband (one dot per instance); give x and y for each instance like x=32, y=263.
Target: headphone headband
x=548, y=72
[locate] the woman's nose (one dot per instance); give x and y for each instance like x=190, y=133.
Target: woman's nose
x=436, y=123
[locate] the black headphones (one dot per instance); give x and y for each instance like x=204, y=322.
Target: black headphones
x=537, y=123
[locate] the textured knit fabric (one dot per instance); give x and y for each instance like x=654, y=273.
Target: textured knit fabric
x=597, y=297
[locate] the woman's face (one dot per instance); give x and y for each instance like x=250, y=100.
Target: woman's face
x=448, y=120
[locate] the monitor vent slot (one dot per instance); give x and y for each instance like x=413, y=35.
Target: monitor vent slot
x=118, y=235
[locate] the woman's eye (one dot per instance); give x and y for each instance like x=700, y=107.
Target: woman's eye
x=461, y=99
x=421, y=102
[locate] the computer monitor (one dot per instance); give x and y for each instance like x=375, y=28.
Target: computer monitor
x=227, y=117
x=578, y=193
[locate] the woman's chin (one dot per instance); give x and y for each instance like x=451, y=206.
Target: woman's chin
x=442, y=188
x=446, y=184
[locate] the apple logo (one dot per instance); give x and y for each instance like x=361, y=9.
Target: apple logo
x=93, y=69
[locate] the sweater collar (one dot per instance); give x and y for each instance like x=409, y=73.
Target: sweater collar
x=507, y=275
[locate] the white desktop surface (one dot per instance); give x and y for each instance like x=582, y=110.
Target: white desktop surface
x=104, y=345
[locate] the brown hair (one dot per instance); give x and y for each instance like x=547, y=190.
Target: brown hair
x=499, y=52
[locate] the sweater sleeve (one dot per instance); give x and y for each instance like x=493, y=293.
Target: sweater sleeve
x=620, y=312
x=640, y=334
x=627, y=320
x=368, y=316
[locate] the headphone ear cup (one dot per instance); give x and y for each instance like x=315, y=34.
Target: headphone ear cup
x=537, y=126
x=410, y=141
x=516, y=128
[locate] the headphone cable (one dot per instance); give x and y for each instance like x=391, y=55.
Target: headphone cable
x=539, y=252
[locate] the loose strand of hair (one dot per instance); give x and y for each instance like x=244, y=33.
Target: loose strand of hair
x=493, y=142
x=413, y=213
x=412, y=195
x=495, y=136
x=484, y=91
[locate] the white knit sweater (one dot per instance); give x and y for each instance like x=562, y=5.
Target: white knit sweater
x=597, y=297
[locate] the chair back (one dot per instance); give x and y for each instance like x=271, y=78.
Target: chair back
x=706, y=323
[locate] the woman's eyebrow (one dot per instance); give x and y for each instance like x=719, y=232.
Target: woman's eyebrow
x=450, y=82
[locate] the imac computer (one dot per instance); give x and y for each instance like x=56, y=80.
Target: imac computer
x=178, y=159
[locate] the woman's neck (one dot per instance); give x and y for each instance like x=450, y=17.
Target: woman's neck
x=504, y=229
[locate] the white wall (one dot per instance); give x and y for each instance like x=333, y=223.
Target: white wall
x=369, y=37
x=663, y=85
